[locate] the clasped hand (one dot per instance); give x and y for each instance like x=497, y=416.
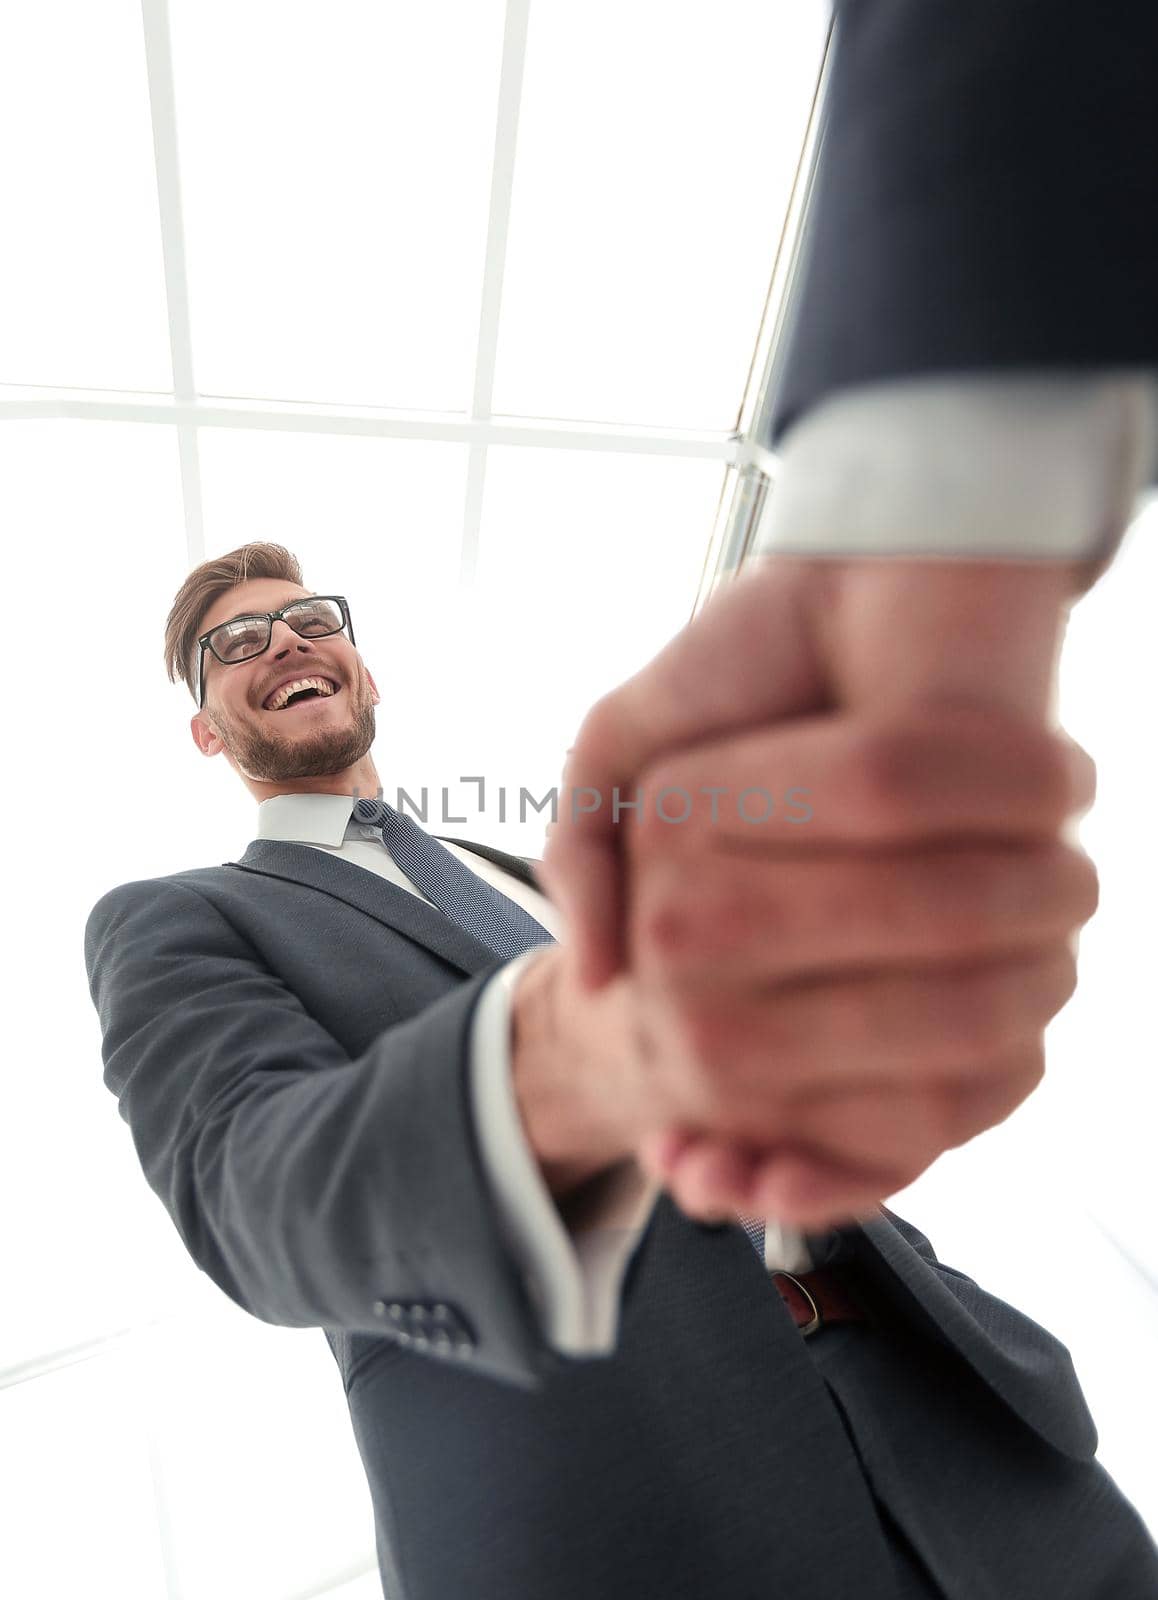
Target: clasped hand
x=832, y=1003
x=828, y=997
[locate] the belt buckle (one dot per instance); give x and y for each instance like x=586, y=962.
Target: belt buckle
x=804, y=1290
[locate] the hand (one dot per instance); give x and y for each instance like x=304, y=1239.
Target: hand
x=827, y=1006
x=787, y=638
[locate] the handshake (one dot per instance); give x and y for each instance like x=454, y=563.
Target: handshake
x=795, y=1021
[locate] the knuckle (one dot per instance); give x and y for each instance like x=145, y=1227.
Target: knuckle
x=886, y=766
x=1047, y=768
x=1059, y=885
x=985, y=1109
x=1060, y=980
x=591, y=743
x=1031, y=1072
x=987, y=1009
x=970, y=1106
x=1029, y=761
x=932, y=1122
x=687, y=917
x=986, y=897
x=738, y=910
x=666, y=927
x=1009, y=1002
x=956, y=1122
x=1086, y=885
x=600, y=726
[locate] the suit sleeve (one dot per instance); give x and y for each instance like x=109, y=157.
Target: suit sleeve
x=984, y=198
x=312, y=1188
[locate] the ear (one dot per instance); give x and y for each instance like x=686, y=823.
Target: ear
x=205, y=735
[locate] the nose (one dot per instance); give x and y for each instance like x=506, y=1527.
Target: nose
x=284, y=639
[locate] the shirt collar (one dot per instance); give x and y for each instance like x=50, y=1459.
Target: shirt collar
x=305, y=818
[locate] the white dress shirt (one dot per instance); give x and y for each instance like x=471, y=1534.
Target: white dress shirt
x=1028, y=467
x=1022, y=467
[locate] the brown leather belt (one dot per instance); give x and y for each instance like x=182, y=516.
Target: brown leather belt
x=816, y=1298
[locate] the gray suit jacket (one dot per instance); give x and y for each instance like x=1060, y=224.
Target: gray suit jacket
x=287, y=1037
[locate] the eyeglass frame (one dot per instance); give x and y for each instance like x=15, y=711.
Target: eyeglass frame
x=271, y=617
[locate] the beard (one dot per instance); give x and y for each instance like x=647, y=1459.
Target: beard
x=260, y=753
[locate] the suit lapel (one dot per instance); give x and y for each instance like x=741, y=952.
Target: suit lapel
x=368, y=892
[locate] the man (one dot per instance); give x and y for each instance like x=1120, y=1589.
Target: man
x=350, y=1102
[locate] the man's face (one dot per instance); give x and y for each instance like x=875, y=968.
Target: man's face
x=312, y=738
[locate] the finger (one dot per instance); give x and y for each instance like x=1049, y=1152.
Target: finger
x=813, y=1188
x=710, y=1177
x=900, y=1130
x=896, y=632
x=747, y=920
x=849, y=1153
x=855, y=780
x=1083, y=773
x=789, y=1186
x=810, y=1193
x=746, y=659
x=659, y=1151
x=739, y=1067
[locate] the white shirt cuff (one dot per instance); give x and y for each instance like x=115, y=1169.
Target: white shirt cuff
x=1023, y=467
x=574, y=1281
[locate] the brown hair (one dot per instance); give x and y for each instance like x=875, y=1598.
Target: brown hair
x=202, y=587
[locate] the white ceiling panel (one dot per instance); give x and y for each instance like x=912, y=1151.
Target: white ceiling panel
x=657, y=146
x=336, y=177
x=82, y=300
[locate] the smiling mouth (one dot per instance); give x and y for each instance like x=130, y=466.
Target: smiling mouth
x=308, y=697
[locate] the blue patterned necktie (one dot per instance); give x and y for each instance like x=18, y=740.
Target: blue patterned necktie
x=754, y=1228
x=471, y=903
x=468, y=900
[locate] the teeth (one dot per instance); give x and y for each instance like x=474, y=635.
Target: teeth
x=278, y=700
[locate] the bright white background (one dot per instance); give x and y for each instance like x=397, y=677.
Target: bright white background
x=335, y=170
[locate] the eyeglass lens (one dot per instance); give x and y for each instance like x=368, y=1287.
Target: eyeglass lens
x=249, y=636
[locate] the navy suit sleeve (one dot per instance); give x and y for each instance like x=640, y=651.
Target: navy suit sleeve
x=313, y=1189
x=984, y=197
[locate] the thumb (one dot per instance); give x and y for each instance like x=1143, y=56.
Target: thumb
x=747, y=658
x=896, y=634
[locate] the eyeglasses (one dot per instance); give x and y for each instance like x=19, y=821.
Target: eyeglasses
x=242, y=638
